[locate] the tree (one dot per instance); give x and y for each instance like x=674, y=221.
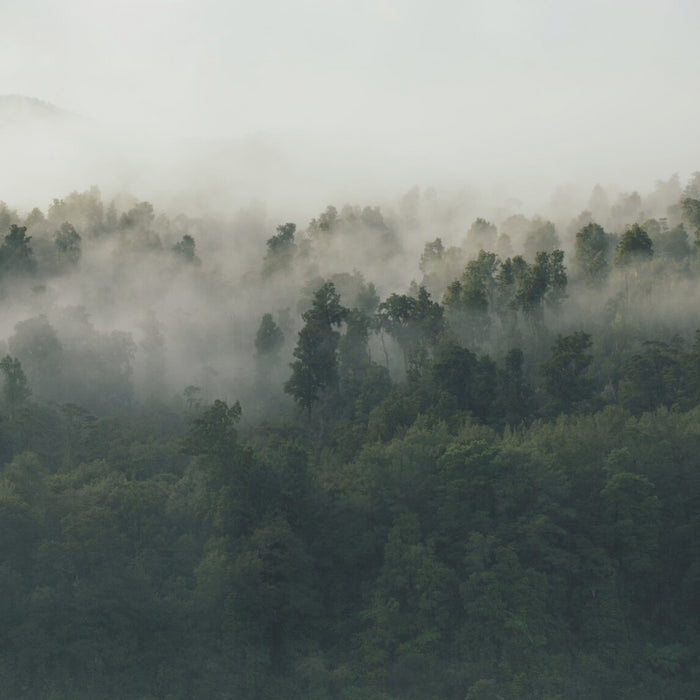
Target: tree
x=514, y=394
x=8, y=217
x=481, y=235
x=429, y=315
x=533, y=285
x=626, y=208
x=433, y=252
x=395, y=316
x=453, y=371
x=542, y=236
x=654, y=377
x=436, y=263
x=35, y=342
x=564, y=375
x=272, y=599
x=599, y=203
x=269, y=339
x=84, y=210
x=153, y=346
x=506, y=609
x=631, y=521
x=592, y=250
x=415, y=598
x=213, y=432
x=281, y=249
x=35, y=218
x=328, y=219
x=558, y=279
x=634, y=246
x=140, y=216
x=546, y=274
x=185, y=250
x=474, y=292
x=675, y=244
x=690, y=209
x=67, y=241
x=15, y=254
x=414, y=322
x=352, y=349
x=137, y=228
x=510, y=271
x=316, y=366
x=283, y=238
x=354, y=290
x=692, y=189
x=15, y=389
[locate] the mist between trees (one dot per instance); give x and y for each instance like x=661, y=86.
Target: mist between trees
x=402, y=451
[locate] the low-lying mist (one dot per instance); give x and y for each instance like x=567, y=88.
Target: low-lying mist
x=111, y=300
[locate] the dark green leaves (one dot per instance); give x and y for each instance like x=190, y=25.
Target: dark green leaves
x=316, y=366
x=213, y=432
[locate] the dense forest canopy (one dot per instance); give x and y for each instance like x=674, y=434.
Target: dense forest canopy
x=405, y=451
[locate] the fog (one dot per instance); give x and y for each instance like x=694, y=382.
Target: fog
x=412, y=120
x=212, y=104
x=125, y=311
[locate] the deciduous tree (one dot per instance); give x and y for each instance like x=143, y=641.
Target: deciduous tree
x=635, y=246
x=316, y=366
x=592, y=253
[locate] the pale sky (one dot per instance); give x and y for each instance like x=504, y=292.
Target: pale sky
x=562, y=90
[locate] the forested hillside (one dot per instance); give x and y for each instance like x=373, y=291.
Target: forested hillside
x=394, y=452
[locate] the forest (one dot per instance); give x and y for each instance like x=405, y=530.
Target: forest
x=402, y=451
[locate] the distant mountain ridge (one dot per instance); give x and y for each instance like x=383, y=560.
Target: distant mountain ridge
x=55, y=151
x=19, y=108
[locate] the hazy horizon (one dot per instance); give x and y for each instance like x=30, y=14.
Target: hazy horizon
x=325, y=101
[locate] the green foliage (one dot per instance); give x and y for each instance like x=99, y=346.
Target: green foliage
x=16, y=256
x=84, y=210
x=213, y=432
x=473, y=293
x=690, y=209
x=654, y=377
x=433, y=252
x=544, y=280
x=449, y=533
x=15, y=388
x=505, y=606
x=186, y=250
x=415, y=322
x=592, y=254
x=269, y=339
x=541, y=237
x=564, y=376
x=139, y=217
x=410, y=610
x=481, y=235
x=326, y=221
x=454, y=371
x=271, y=595
x=675, y=244
x=316, y=366
x=356, y=292
x=631, y=520
x=281, y=250
x=514, y=393
x=439, y=265
x=67, y=241
x=634, y=246
x=36, y=344
x=396, y=315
